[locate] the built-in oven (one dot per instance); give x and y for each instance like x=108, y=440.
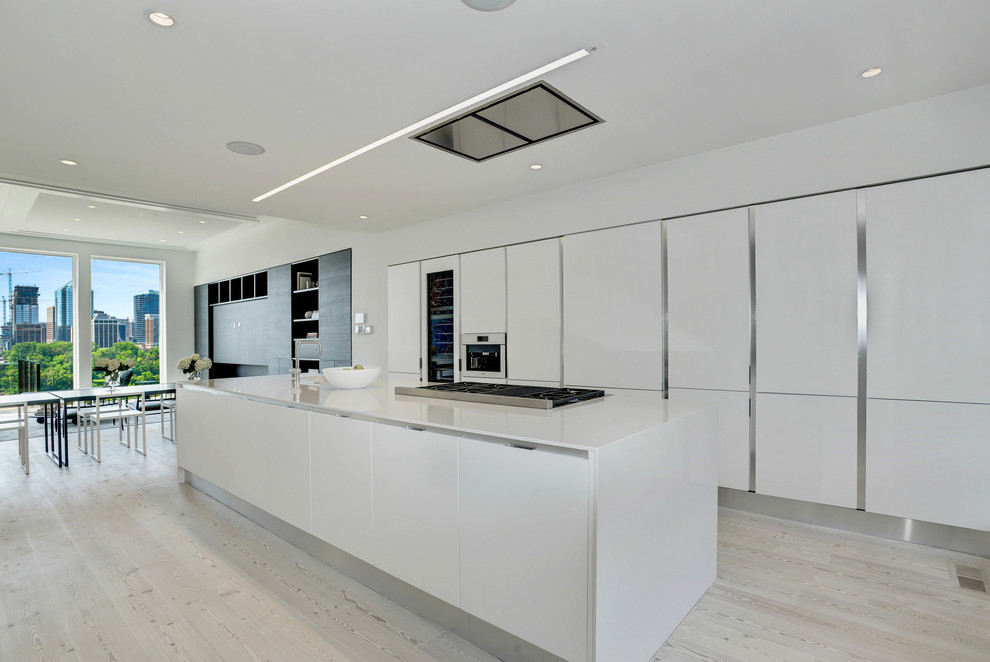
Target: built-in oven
x=483, y=355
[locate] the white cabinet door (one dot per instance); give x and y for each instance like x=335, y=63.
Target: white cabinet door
x=241, y=467
x=340, y=474
x=806, y=448
x=733, y=432
x=806, y=329
x=404, y=318
x=415, y=500
x=524, y=543
x=483, y=291
x=285, y=453
x=928, y=243
x=441, y=329
x=612, y=308
x=533, y=336
x=708, y=316
x=928, y=461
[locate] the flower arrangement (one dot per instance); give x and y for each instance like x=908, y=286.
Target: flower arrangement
x=111, y=368
x=193, y=364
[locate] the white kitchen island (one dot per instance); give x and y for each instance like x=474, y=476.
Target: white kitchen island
x=583, y=533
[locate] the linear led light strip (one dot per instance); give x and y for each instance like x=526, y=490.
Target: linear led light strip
x=556, y=64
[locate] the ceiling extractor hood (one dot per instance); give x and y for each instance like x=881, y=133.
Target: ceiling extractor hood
x=521, y=119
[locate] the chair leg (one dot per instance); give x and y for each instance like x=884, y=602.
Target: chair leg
x=99, y=440
x=144, y=435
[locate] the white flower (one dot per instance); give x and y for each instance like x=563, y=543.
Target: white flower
x=101, y=363
x=113, y=365
x=203, y=364
x=184, y=364
x=195, y=357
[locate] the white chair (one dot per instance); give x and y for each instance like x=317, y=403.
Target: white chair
x=168, y=413
x=112, y=408
x=15, y=417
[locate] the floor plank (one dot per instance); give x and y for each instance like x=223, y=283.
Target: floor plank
x=117, y=562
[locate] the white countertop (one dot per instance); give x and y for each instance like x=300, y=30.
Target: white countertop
x=586, y=425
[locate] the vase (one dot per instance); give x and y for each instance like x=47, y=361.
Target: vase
x=112, y=380
x=194, y=376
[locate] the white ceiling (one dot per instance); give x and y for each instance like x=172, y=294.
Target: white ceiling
x=147, y=111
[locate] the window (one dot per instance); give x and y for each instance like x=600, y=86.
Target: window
x=37, y=333
x=127, y=316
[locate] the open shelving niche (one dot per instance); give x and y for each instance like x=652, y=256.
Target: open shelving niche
x=305, y=299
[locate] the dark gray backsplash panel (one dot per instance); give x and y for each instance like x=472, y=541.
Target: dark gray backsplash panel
x=335, y=308
x=279, y=320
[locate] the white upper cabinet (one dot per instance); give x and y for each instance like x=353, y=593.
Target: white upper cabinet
x=806, y=329
x=483, y=291
x=708, y=303
x=612, y=308
x=928, y=269
x=404, y=325
x=533, y=332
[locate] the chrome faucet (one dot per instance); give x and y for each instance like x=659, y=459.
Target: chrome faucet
x=296, y=372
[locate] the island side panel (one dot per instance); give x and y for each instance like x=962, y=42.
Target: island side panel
x=657, y=526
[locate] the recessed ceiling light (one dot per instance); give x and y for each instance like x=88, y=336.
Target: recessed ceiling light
x=871, y=72
x=160, y=18
x=412, y=128
x=202, y=221
x=363, y=217
x=181, y=232
x=488, y=5
x=162, y=240
x=91, y=206
x=536, y=166
x=77, y=219
x=69, y=162
x=245, y=148
x=65, y=230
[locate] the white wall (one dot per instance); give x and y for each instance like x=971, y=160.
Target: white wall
x=176, y=294
x=937, y=135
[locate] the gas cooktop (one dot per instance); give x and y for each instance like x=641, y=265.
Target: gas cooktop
x=536, y=397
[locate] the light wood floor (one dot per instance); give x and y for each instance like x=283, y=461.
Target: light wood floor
x=118, y=562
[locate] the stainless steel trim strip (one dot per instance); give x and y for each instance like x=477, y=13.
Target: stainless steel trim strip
x=560, y=266
x=943, y=536
x=664, y=330
x=861, y=337
x=752, y=349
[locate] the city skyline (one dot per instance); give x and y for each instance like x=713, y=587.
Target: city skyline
x=114, y=282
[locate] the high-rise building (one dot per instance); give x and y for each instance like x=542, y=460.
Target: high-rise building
x=108, y=330
x=63, y=312
x=144, y=304
x=151, y=330
x=50, y=324
x=25, y=304
x=24, y=315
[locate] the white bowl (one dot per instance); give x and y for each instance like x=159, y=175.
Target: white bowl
x=350, y=378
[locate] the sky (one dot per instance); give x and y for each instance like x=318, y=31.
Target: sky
x=114, y=282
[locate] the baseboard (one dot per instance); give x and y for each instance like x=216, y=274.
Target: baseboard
x=943, y=536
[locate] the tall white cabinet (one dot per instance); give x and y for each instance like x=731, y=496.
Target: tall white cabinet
x=483, y=291
x=613, y=330
x=928, y=413
x=806, y=349
x=708, y=322
x=534, y=311
x=404, y=318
